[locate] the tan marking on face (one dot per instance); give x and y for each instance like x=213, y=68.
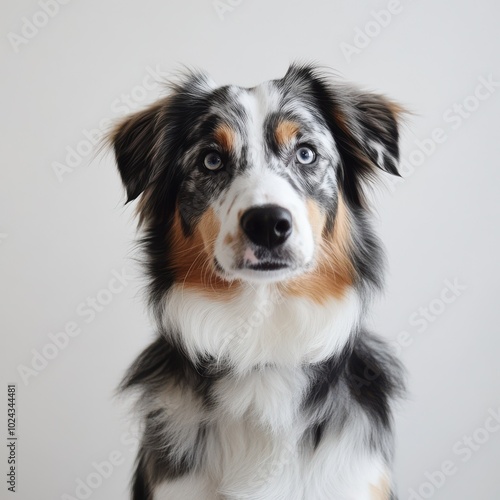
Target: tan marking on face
x=380, y=491
x=333, y=273
x=209, y=227
x=228, y=239
x=285, y=132
x=225, y=136
x=237, y=242
x=192, y=257
x=342, y=228
x=316, y=219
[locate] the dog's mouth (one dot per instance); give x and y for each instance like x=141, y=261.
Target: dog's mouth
x=267, y=266
x=260, y=264
x=264, y=271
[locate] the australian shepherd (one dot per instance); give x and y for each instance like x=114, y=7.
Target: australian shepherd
x=261, y=383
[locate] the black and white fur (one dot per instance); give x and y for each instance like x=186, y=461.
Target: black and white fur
x=262, y=383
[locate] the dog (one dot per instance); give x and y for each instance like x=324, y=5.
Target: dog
x=261, y=383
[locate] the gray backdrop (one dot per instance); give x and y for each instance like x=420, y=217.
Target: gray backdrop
x=72, y=315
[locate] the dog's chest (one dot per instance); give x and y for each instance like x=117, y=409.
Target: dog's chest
x=268, y=398
x=258, y=449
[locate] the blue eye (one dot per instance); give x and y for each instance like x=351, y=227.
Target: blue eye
x=305, y=155
x=213, y=161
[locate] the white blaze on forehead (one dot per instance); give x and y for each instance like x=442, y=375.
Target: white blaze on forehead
x=260, y=184
x=258, y=103
x=265, y=99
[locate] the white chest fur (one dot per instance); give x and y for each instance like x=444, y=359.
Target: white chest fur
x=257, y=326
x=261, y=452
x=255, y=444
x=255, y=449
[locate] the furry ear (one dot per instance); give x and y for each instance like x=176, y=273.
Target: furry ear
x=378, y=118
x=143, y=142
x=365, y=126
x=138, y=145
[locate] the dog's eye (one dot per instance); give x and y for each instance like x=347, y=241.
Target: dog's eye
x=213, y=161
x=305, y=155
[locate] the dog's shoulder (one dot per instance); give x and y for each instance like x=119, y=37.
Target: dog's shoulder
x=163, y=363
x=366, y=376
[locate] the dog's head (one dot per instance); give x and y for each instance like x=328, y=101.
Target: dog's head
x=261, y=184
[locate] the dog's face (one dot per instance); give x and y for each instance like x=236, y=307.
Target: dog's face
x=259, y=179
x=256, y=184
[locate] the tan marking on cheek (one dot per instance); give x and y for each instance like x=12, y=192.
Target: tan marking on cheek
x=333, y=273
x=342, y=228
x=209, y=227
x=225, y=136
x=285, y=132
x=237, y=242
x=380, y=491
x=192, y=257
x=316, y=219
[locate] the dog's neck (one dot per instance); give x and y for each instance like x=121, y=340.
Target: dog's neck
x=259, y=325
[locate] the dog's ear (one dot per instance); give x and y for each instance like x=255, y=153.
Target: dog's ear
x=138, y=144
x=144, y=141
x=366, y=129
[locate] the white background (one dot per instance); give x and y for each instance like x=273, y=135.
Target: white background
x=60, y=240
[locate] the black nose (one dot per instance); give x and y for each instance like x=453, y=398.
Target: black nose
x=267, y=225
